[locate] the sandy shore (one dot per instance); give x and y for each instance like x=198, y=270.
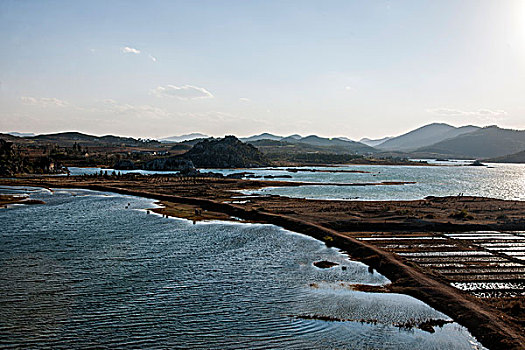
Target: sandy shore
x=344, y=224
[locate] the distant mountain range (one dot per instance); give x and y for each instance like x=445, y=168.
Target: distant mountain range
x=267, y=136
x=67, y=139
x=311, y=144
x=436, y=140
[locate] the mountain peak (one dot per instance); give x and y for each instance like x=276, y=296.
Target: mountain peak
x=424, y=136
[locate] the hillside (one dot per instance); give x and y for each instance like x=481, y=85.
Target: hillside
x=510, y=158
x=228, y=152
x=424, y=136
x=488, y=142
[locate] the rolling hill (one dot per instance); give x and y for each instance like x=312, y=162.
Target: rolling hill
x=424, y=136
x=228, y=152
x=488, y=142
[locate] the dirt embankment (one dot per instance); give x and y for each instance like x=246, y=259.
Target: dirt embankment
x=6, y=200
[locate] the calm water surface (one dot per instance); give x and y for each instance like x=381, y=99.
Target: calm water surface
x=504, y=181
x=84, y=271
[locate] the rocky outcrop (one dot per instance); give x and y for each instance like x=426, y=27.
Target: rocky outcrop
x=228, y=152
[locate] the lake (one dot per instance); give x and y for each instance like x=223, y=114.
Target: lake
x=503, y=181
x=95, y=270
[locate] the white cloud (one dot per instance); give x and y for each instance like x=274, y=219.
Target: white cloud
x=147, y=111
x=482, y=114
x=128, y=49
x=135, y=51
x=244, y=99
x=490, y=113
x=185, y=92
x=43, y=101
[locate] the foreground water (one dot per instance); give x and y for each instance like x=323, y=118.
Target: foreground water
x=504, y=181
x=92, y=269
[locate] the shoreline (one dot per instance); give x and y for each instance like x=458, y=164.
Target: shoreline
x=7, y=200
x=490, y=326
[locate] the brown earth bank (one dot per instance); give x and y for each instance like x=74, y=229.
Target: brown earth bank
x=347, y=225
x=6, y=200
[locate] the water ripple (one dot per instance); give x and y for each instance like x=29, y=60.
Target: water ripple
x=84, y=272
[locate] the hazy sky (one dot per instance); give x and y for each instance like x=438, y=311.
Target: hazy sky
x=332, y=68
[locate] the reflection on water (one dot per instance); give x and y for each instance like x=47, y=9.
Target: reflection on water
x=84, y=271
x=504, y=181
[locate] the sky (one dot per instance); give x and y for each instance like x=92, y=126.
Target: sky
x=152, y=69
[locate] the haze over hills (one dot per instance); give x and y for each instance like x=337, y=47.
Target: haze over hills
x=263, y=136
x=21, y=134
x=424, y=136
x=187, y=137
x=371, y=142
x=328, y=142
x=313, y=143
